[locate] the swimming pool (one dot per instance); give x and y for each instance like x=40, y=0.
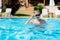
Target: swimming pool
x=15, y=29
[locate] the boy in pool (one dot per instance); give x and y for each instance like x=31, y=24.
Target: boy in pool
x=37, y=19
x=38, y=22
x=36, y=16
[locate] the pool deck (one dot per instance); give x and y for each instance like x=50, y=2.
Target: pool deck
x=23, y=17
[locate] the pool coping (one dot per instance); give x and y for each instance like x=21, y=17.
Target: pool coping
x=28, y=17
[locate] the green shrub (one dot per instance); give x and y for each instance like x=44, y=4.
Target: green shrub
x=40, y=7
x=4, y=8
x=36, y=8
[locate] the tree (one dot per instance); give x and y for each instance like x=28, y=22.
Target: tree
x=3, y=5
x=15, y=6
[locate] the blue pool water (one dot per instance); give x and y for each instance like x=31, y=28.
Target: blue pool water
x=15, y=29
